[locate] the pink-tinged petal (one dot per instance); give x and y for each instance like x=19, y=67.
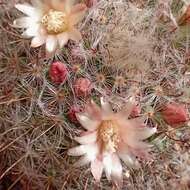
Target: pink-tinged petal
x=97, y=169
x=62, y=39
x=141, y=153
x=80, y=7
x=68, y=5
x=37, y=3
x=87, y=123
x=26, y=9
x=77, y=151
x=130, y=134
x=137, y=122
x=87, y=139
x=23, y=22
x=106, y=107
x=38, y=41
x=29, y=10
x=93, y=110
x=144, y=133
x=127, y=156
x=92, y=151
x=82, y=161
x=129, y=160
x=130, y=137
x=107, y=161
x=77, y=13
x=58, y=5
x=33, y=30
x=127, y=109
x=51, y=43
x=116, y=172
x=131, y=124
x=138, y=144
x=133, y=129
x=74, y=35
x=83, y=133
x=44, y=5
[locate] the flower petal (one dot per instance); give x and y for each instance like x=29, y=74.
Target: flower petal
x=116, y=172
x=87, y=123
x=82, y=161
x=127, y=109
x=26, y=9
x=106, y=107
x=78, y=8
x=37, y=3
x=29, y=10
x=94, y=110
x=145, y=132
x=62, y=39
x=68, y=5
x=87, y=139
x=124, y=152
x=92, y=151
x=77, y=151
x=58, y=5
x=128, y=160
x=44, y=5
x=74, y=34
x=141, y=153
x=38, y=41
x=22, y=22
x=77, y=13
x=107, y=161
x=137, y=122
x=130, y=137
x=33, y=30
x=135, y=143
x=97, y=169
x=51, y=43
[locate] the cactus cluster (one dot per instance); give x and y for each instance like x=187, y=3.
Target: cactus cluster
x=94, y=94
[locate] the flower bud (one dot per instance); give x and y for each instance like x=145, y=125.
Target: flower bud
x=82, y=87
x=174, y=113
x=185, y=15
x=58, y=72
x=136, y=111
x=72, y=113
x=90, y=3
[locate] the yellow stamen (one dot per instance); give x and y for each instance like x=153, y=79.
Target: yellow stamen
x=109, y=135
x=55, y=22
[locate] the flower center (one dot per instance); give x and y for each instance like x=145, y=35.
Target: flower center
x=55, y=22
x=109, y=135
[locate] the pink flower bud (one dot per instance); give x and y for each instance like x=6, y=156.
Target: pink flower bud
x=58, y=72
x=136, y=111
x=82, y=87
x=72, y=113
x=174, y=113
x=90, y=3
x=185, y=16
